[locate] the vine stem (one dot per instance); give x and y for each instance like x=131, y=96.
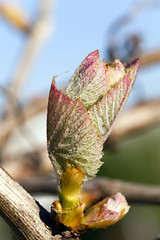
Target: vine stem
x=25, y=216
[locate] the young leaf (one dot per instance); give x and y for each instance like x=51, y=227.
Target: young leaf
x=78, y=123
x=103, y=89
x=105, y=112
x=80, y=120
x=89, y=82
x=72, y=138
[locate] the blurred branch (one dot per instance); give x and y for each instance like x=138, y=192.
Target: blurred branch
x=129, y=47
x=43, y=184
x=8, y=125
x=158, y=238
x=15, y=15
x=134, y=192
x=150, y=58
x=134, y=120
x=36, y=38
x=25, y=216
x=99, y=188
x=136, y=9
x=26, y=165
x=131, y=121
x=38, y=35
x=16, y=203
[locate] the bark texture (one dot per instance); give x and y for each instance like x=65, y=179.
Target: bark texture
x=26, y=217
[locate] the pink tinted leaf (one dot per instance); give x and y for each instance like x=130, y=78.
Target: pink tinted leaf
x=71, y=136
x=105, y=213
x=104, y=113
x=89, y=82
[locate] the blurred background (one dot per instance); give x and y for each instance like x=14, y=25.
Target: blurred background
x=44, y=38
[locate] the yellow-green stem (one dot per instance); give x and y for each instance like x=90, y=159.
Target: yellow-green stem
x=70, y=187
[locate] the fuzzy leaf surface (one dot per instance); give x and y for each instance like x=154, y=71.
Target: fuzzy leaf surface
x=105, y=213
x=104, y=113
x=80, y=120
x=71, y=136
x=89, y=82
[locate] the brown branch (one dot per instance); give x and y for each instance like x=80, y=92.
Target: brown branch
x=25, y=216
x=9, y=124
x=134, y=120
x=137, y=118
x=31, y=221
x=24, y=166
x=38, y=35
x=134, y=192
x=99, y=188
x=150, y=58
x=132, y=42
x=130, y=122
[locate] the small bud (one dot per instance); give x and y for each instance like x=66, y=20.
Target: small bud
x=106, y=212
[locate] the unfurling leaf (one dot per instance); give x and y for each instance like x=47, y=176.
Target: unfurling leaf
x=72, y=137
x=103, y=89
x=78, y=122
x=89, y=82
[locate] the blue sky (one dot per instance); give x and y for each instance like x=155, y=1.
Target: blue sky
x=81, y=27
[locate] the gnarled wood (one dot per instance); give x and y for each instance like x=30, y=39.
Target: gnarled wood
x=27, y=218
